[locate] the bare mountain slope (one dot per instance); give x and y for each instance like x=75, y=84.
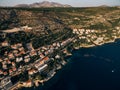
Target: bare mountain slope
x=43, y=4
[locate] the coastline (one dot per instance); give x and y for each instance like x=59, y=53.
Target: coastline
x=30, y=62
x=93, y=45
x=37, y=82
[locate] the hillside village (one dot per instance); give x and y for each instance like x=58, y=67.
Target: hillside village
x=34, y=41
x=90, y=38
x=20, y=59
x=17, y=59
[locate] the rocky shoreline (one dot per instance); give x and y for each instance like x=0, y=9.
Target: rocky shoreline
x=93, y=45
x=36, y=83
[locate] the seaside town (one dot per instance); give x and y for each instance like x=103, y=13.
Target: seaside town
x=31, y=55
x=92, y=37
x=24, y=66
x=35, y=66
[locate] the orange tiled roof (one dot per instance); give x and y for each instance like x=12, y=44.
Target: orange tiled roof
x=14, y=69
x=29, y=81
x=10, y=71
x=5, y=73
x=1, y=71
x=31, y=70
x=46, y=58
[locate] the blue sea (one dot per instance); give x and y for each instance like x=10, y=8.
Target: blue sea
x=95, y=68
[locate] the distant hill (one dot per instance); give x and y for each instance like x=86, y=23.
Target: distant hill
x=22, y=5
x=104, y=6
x=43, y=4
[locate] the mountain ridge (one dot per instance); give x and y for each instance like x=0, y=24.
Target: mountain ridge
x=43, y=4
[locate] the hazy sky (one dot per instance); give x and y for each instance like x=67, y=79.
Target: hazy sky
x=76, y=3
